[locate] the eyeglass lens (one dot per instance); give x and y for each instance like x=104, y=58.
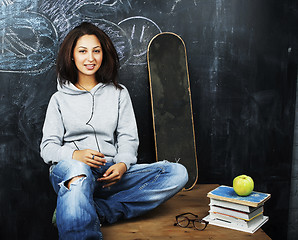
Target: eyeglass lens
x=199, y=224
x=182, y=221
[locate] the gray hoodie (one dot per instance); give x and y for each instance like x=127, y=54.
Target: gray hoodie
x=101, y=119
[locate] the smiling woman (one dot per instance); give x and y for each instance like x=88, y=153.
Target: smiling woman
x=90, y=139
x=87, y=56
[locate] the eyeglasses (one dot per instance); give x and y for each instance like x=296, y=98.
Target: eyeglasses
x=183, y=221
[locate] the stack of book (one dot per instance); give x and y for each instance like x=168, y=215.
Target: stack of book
x=229, y=210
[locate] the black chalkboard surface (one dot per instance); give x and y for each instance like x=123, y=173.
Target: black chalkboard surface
x=242, y=58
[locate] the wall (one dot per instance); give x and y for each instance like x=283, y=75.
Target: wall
x=293, y=208
x=243, y=90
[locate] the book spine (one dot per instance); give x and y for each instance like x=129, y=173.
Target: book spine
x=237, y=216
x=235, y=206
x=235, y=221
x=236, y=213
x=249, y=227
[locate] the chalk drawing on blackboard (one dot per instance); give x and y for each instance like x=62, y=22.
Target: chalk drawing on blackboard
x=140, y=31
x=56, y=12
x=28, y=43
x=6, y=2
x=100, y=9
x=174, y=5
x=19, y=4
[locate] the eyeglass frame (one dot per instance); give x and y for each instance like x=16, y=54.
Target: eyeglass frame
x=191, y=220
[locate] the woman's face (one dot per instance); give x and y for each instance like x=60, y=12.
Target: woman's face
x=87, y=56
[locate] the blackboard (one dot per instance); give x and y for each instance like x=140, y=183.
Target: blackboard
x=242, y=59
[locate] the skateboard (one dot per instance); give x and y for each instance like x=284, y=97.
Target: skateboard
x=171, y=103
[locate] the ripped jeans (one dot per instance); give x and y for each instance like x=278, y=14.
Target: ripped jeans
x=81, y=207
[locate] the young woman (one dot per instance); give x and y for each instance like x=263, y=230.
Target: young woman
x=90, y=140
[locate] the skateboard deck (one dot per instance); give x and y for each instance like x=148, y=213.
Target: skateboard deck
x=171, y=103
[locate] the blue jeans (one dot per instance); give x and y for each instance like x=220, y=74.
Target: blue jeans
x=81, y=207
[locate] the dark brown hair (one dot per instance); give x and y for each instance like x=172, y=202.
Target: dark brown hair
x=66, y=68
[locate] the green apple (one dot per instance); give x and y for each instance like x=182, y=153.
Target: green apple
x=243, y=185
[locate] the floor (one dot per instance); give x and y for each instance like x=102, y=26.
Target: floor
x=159, y=223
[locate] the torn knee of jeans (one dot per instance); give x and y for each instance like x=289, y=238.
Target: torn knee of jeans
x=73, y=181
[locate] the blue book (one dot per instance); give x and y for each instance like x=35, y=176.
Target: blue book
x=228, y=194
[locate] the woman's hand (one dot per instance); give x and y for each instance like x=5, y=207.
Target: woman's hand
x=113, y=174
x=90, y=157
